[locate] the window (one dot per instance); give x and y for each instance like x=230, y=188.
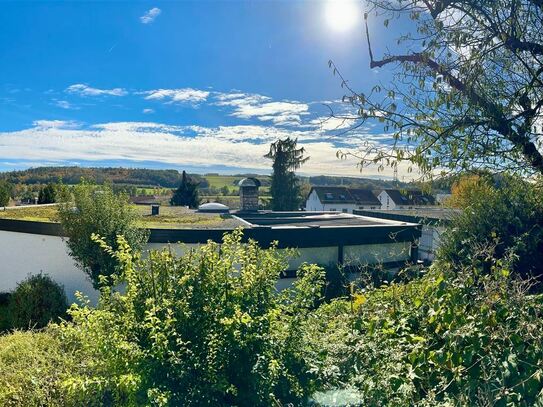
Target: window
x=328, y=195
x=333, y=209
x=344, y=210
x=341, y=196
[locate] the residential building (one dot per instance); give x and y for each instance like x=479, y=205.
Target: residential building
x=340, y=199
x=391, y=199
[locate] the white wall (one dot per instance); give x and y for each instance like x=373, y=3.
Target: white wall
x=22, y=254
x=313, y=203
x=429, y=241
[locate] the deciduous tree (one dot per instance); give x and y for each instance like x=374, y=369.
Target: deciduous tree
x=468, y=90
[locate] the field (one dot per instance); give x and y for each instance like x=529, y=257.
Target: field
x=169, y=217
x=219, y=181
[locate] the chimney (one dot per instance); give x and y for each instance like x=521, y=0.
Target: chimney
x=248, y=194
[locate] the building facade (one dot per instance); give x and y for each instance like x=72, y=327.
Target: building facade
x=340, y=199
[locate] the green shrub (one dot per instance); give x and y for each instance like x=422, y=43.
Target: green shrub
x=48, y=194
x=4, y=317
x=499, y=220
x=98, y=210
x=206, y=328
x=449, y=338
x=33, y=366
x=35, y=302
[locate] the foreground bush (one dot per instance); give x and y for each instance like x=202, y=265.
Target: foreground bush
x=207, y=328
x=98, y=210
x=35, y=302
x=33, y=367
x=449, y=338
x=498, y=220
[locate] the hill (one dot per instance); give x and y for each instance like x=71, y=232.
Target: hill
x=73, y=175
x=170, y=178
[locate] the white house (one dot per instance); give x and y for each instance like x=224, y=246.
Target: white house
x=395, y=199
x=340, y=199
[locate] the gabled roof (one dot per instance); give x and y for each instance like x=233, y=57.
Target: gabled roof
x=333, y=195
x=355, y=196
x=410, y=197
x=364, y=196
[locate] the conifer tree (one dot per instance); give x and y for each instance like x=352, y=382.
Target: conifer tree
x=287, y=158
x=187, y=193
x=47, y=195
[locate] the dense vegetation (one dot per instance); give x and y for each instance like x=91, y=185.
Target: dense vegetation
x=35, y=302
x=502, y=217
x=73, y=175
x=93, y=209
x=208, y=328
x=6, y=190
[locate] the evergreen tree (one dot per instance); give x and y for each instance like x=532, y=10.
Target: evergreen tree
x=5, y=192
x=48, y=194
x=186, y=194
x=287, y=158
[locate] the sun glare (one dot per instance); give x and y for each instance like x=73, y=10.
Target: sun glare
x=342, y=15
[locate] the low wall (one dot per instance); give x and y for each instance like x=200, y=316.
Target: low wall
x=33, y=247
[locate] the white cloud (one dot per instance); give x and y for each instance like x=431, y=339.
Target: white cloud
x=150, y=15
x=328, y=123
x=86, y=90
x=231, y=146
x=185, y=95
x=55, y=124
x=64, y=104
x=148, y=111
x=247, y=106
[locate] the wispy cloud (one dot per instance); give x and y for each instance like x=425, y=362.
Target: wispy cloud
x=86, y=90
x=148, y=111
x=55, y=124
x=64, y=104
x=150, y=15
x=248, y=106
x=185, y=95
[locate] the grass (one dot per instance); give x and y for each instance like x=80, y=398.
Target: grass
x=170, y=217
x=219, y=181
x=41, y=213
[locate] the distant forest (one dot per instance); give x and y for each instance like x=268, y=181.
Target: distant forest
x=73, y=175
x=144, y=177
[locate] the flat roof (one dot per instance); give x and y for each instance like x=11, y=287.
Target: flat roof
x=417, y=214
x=313, y=220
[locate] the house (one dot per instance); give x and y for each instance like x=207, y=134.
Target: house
x=395, y=199
x=340, y=199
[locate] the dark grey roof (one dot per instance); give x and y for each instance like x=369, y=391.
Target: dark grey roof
x=355, y=196
x=410, y=197
x=364, y=196
x=333, y=195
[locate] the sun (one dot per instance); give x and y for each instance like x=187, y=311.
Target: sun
x=342, y=15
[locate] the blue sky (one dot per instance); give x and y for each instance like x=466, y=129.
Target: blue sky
x=203, y=85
